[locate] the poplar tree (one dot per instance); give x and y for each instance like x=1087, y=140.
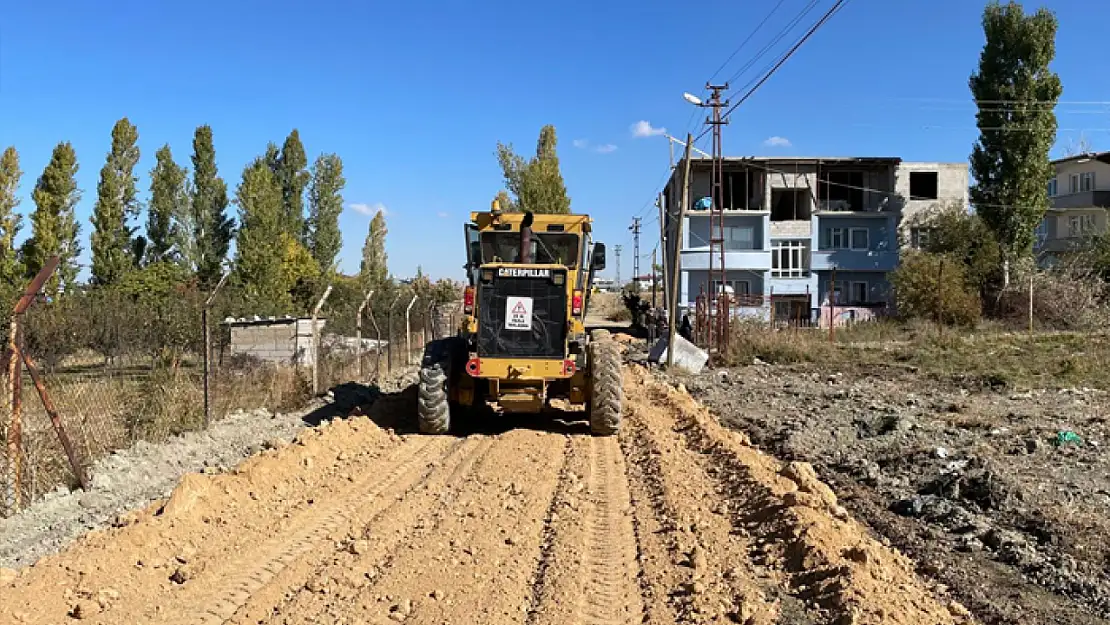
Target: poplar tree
x=212, y=228
x=169, y=202
x=54, y=228
x=116, y=203
x=260, y=241
x=11, y=269
x=325, y=202
x=536, y=185
x=374, y=271
x=1016, y=92
x=292, y=172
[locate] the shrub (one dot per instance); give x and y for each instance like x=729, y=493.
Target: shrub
x=937, y=287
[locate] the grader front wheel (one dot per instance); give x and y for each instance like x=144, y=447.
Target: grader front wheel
x=606, y=389
x=433, y=410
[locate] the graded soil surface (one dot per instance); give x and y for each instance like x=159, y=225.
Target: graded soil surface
x=357, y=521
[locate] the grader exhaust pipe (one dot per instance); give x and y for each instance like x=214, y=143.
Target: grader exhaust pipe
x=526, y=239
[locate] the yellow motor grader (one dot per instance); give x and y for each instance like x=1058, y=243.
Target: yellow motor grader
x=523, y=341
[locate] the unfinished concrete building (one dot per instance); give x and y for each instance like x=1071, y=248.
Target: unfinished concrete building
x=799, y=229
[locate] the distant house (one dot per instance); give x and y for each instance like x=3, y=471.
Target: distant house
x=1080, y=196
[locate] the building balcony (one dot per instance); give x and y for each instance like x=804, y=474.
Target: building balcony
x=854, y=260
x=792, y=229
x=1083, y=199
x=734, y=259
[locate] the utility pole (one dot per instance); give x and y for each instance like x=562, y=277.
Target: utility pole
x=654, y=305
x=718, y=315
x=676, y=270
x=617, y=249
x=635, y=228
x=663, y=218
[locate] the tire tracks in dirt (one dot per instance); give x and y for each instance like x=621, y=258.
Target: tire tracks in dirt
x=800, y=545
x=371, y=546
x=590, y=569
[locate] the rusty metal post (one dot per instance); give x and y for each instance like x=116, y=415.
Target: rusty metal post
x=56, y=421
x=431, y=333
x=832, y=306
x=208, y=350
x=408, y=332
x=15, y=427
x=316, y=342
x=358, y=333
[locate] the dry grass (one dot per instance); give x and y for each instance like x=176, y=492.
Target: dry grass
x=990, y=355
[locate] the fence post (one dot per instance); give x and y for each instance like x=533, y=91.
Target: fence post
x=208, y=350
x=389, y=330
x=316, y=342
x=430, y=324
x=832, y=309
x=378, y=343
x=358, y=333
x=408, y=332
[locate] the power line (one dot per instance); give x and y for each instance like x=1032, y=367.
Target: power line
x=828, y=14
x=747, y=39
x=767, y=47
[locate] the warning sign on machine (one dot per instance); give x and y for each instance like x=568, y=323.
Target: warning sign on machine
x=518, y=313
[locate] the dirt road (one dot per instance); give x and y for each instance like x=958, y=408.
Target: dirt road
x=677, y=520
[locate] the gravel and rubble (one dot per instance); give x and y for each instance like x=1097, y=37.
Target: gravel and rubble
x=134, y=477
x=1001, y=494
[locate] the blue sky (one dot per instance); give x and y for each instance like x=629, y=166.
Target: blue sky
x=415, y=97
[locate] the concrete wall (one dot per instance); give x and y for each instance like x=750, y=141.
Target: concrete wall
x=952, y=187
x=282, y=341
x=1066, y=169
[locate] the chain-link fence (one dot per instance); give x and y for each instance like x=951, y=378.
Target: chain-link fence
x=99, y=369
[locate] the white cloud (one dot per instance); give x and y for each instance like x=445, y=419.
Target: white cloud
x=605, y=149
x=442, y=215
x=644, y=128
x=777, y=142
x=581, y=143
x=369, y=209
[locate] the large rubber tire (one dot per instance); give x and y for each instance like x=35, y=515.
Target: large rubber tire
x=433, y=410
x=606, y=388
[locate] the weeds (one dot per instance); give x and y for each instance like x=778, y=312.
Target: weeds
x=991, y=356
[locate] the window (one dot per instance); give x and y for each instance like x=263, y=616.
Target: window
x=1052, y=188
x=1079, y=225
x=739, y=238
x=858, y=293
x=919, y=237
x=923, y=185
x=789, y=259
x=739, y=287
x=1041, y=232
x=860, y=239
x=1087, y=181
x=834, y=239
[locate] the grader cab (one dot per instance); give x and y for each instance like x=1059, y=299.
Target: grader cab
x=523, y=340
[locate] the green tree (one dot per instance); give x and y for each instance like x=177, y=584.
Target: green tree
x=325, y=202
x=260, y=246
x=1015, y=91
x=11, y=269
x=116, y=203
x=374, y=271
x=292, y=172
x=536, y=185
x=54, y=228
x=212, y=228
x=169, y=202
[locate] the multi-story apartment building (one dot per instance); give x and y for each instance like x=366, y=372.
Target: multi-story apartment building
x=1080, y=196
x=798, y=229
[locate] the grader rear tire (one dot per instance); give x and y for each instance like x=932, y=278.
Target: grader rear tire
x=606, y=388
x=433, y=410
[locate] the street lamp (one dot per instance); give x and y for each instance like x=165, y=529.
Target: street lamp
x=692, y=99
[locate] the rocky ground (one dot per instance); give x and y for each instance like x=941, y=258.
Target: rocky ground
x=1002, y=496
